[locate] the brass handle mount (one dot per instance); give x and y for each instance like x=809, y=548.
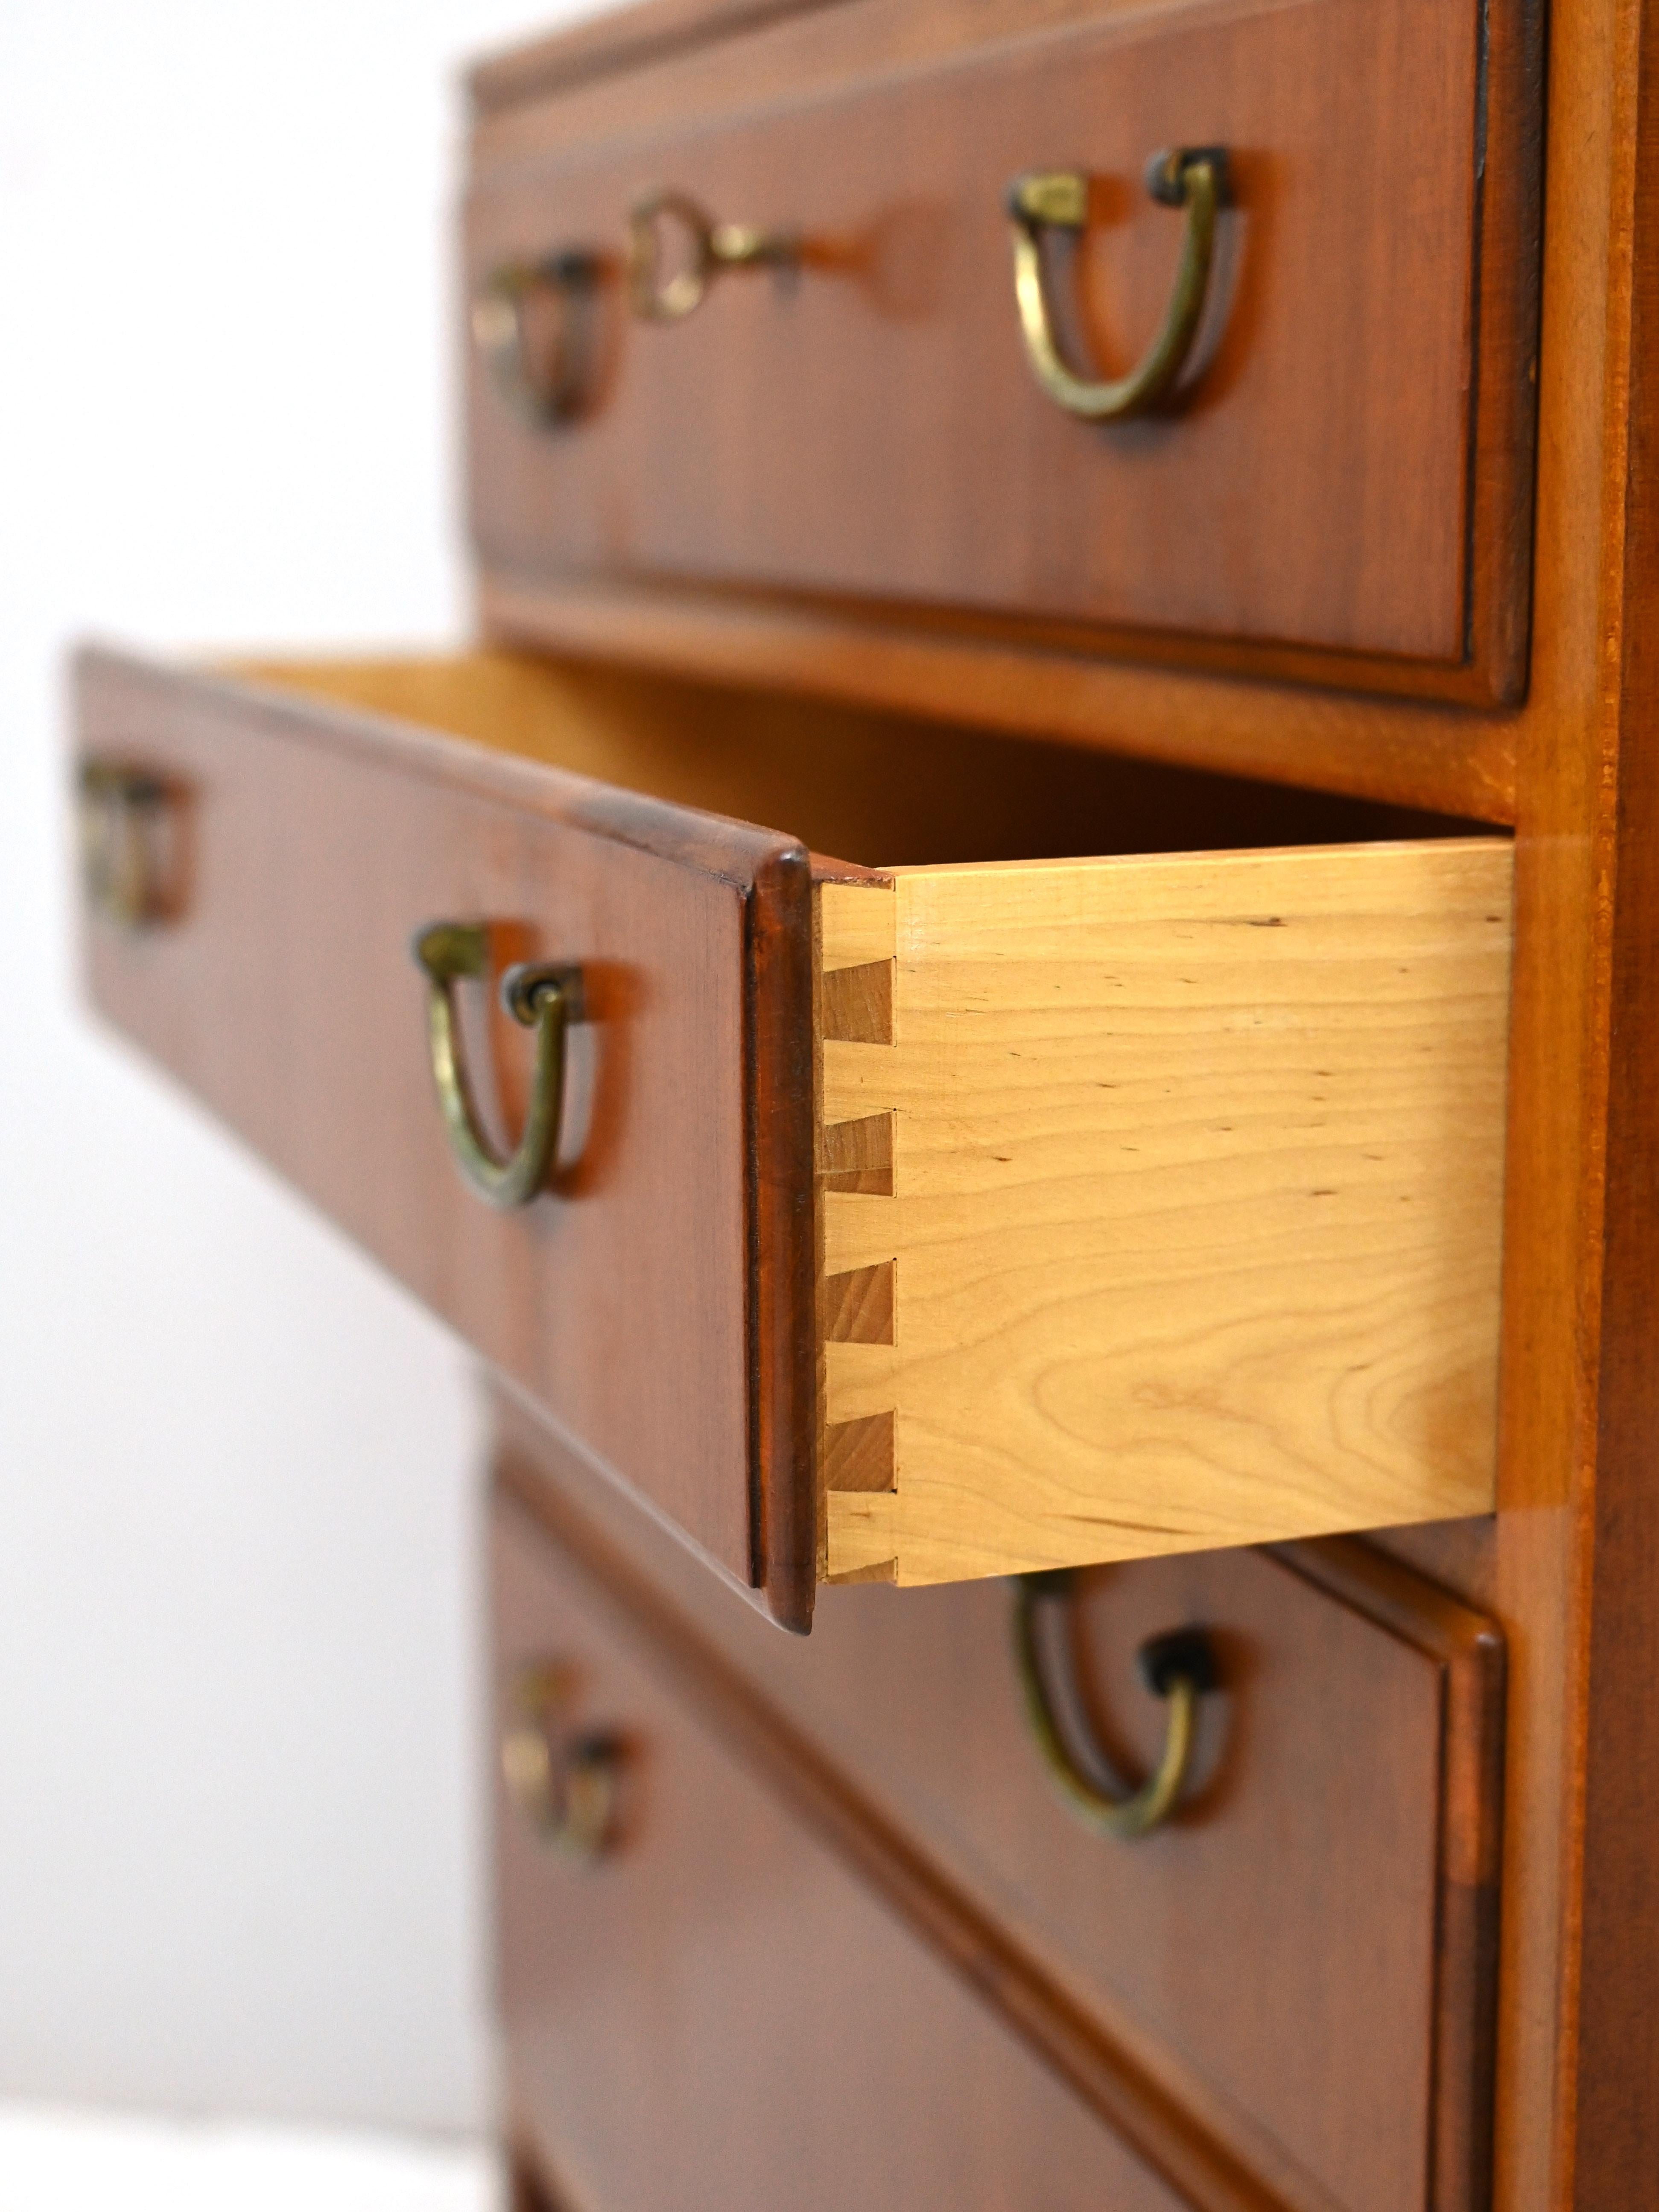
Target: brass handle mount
x=1193, y=178
x=1179, y=1667
x=543, y=997
x=712, y=248
x=121, y=813
x=565, y=1785
x=537, y=323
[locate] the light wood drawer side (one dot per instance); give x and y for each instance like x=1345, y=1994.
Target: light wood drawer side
x=1190, y=1231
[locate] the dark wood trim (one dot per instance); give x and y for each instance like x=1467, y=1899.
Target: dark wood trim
x=618, y=39
x=1506, y=309
x=1462, y=682
x=783, y=1265
x=1615, y=2080
x=1472, y=1652
x=1445, y=760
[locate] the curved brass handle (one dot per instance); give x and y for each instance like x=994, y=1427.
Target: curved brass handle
x=714, y=248
x=565, y=1791
x=1191, y=177
x=119, y=810
x=1178, y=1667
x=545, y=998
x=537, y=324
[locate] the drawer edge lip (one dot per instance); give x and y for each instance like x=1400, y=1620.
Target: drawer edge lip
x=1471, y=1649
x=779, y=1103
x=713, y=845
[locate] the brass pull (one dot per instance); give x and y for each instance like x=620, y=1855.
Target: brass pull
x=1191, y=177
x=544, y=999
x=537, y=323
x=566, y=1790
x=1179, y=1668
x=715, y=247
x=120, y=813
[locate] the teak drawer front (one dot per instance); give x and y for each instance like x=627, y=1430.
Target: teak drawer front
x=283, y=991
x=1303, y=1956
x=1345, y=476
x=716, y=2014
x=951, y=1222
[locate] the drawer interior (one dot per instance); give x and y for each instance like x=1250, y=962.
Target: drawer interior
x=874, y=789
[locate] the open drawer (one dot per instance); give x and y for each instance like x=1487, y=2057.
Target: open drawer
x=994, y=1208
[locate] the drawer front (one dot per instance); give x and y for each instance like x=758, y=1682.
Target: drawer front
x=704, y=2007
x=1303, y=1954
x=954, y=1222
x=1334, y=479
x=309, y=847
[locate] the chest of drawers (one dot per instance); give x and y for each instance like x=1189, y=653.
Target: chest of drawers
x=1024, y=952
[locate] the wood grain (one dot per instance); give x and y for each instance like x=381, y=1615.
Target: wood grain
x=646, y=1300
x=1197, y=1189
x=1347, y=1806
x=497, y=811
x=744, y=1953
x=1339, y=412
x=1615, y=2112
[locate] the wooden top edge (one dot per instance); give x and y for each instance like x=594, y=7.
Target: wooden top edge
x=712, y=844
x=616, y=40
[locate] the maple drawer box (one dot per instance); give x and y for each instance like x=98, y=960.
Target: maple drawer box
x=995, y=1206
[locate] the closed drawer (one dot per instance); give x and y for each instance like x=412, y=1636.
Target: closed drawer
x=1000, y=1211
x=1302, y=1956
x=702, y=2006
x=1338, y=484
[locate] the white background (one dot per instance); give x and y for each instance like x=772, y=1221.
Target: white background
x=241, y=1864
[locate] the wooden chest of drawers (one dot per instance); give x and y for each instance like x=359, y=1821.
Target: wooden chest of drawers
x=870, y=1140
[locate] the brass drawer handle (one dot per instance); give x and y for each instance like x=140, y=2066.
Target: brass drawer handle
x=1191, y=177
x=1179, y=1668
x=566, y=1790
x=121, y=811
x=545, y=998
x=713, y=246
x=538, y=326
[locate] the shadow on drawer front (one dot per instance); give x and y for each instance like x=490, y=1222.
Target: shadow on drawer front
x=1099, y=1160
